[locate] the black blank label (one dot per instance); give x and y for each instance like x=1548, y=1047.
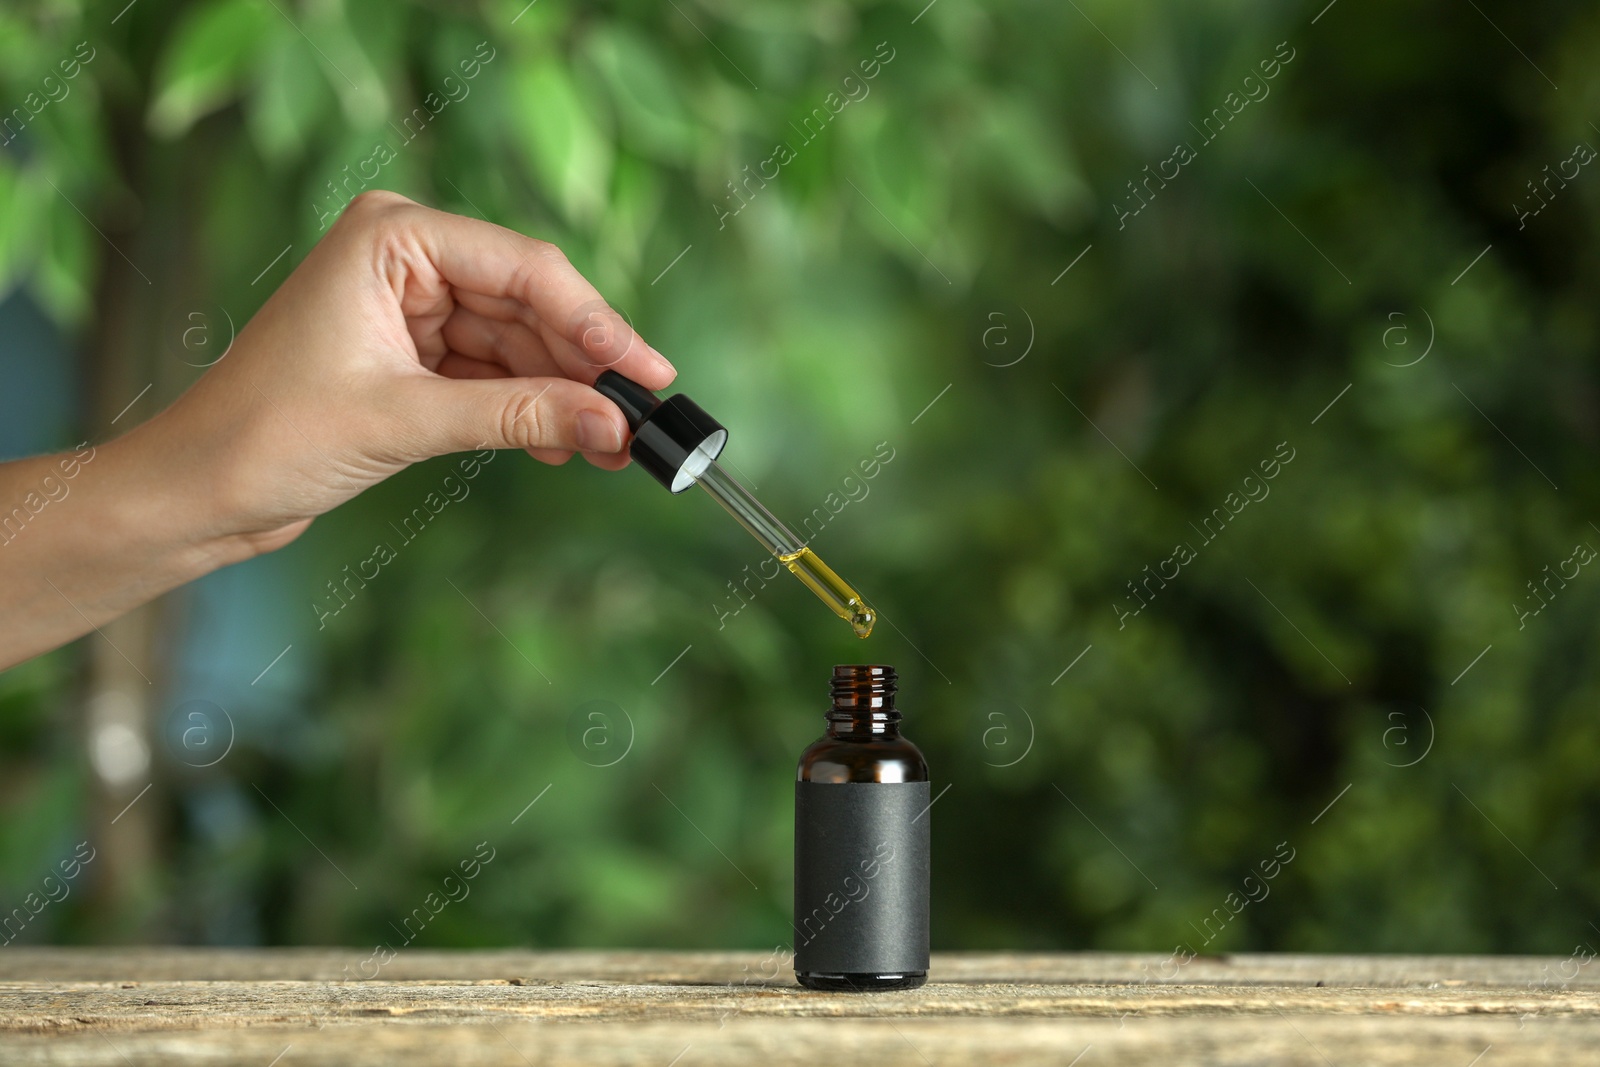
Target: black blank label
x=861, y=877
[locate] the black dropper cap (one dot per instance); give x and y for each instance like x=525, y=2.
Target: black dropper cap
x=674, y=439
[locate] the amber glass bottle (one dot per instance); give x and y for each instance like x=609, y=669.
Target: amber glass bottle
x=861, y=844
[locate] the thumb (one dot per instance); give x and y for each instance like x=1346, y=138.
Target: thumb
x=456, y=415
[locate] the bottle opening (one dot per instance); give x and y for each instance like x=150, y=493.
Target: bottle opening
x=865, y=686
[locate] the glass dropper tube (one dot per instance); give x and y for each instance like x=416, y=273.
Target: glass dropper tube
x=792, y=552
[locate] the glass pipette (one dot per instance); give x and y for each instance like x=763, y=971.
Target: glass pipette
x=778, y=539
x=678, y=443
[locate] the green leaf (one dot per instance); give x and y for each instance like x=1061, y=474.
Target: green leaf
x=205, y=67
x=63, y=276
x=20, y=46
x=291, y=98
x=16, y=233
x=645, y=92
x=629, y=218
x=570, y=153
x=351, y=54
x=1030, y=160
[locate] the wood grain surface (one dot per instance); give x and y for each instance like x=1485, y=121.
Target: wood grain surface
x=289, y=1007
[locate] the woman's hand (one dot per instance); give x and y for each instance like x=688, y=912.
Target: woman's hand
x=406, y=333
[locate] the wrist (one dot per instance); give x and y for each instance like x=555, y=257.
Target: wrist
x=163, y=511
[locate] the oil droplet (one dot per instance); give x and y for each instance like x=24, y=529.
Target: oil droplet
x=862, y=620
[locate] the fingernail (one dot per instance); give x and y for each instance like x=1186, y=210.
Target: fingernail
x=598, y=433
x=663, y=364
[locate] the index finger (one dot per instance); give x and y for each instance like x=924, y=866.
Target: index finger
x=497, y=262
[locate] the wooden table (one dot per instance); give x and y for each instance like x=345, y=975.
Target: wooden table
x=290, y=1007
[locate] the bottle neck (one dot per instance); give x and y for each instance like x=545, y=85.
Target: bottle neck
x=850, y=723
x=863, y=703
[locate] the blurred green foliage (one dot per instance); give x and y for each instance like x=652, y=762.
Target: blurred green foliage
x=913, y=250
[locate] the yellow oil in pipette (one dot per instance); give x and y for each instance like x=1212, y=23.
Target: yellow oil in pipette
x=831, y=589
x=677, y=442
x=841, y=598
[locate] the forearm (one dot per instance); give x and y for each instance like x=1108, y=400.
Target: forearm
x=90, y=534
